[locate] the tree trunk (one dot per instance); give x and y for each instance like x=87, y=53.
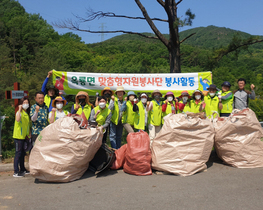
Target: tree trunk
x=175, y=61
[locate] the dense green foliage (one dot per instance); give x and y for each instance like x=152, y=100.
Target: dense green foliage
x=29, y=48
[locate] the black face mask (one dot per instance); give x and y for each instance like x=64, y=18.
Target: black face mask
x=107, y=95
x=82, y=101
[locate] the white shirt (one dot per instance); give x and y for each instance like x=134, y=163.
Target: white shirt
x=58, y=115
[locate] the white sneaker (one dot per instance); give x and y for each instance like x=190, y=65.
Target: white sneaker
x=18, y=175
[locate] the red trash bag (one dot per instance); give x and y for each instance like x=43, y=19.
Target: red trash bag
x=120, y=157
x=138, y=154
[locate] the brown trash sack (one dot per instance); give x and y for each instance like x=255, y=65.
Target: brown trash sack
x=183, y=146
x=62, y=151
x=138, y=154
x=120, y=157
x=237, y=139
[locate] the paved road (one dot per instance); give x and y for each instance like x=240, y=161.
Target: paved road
x=220, y=187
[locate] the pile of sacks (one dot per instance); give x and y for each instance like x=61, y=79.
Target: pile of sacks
x=62, y=151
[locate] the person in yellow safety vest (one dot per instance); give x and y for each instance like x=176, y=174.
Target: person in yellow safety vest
x=107, y=93
x=141, y=114
x=57, y=111
x=211, y=102
x=155, y=114
x=21, y=131
x=170, y=105
x=116, y=126
x=128, y=113
x=50, y=92
x=184, y=105
x=227, y=98
x=194, y=105
x=102, y=115
x=82, y=104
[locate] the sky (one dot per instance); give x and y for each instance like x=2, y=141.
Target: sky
x=241, y=15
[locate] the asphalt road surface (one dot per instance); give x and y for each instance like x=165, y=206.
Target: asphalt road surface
x=220, y=187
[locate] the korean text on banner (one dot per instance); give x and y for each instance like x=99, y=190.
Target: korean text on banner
x=72, y=82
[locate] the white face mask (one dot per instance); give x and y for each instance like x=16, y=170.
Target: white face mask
x=197, y=97
x=25, y=106
x=144, y=100
x=212, y=94
x=59, y=106
x=185, y=98
x=170, y=98
x=102, y=105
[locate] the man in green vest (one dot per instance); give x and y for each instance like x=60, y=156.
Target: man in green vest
x=227, y=98
x=211, y=102
x=141, y=114
x=116, y=126
x=102, y=115
x=155, y=114
x=128, y=113
x=57, y=111
x=82, y=104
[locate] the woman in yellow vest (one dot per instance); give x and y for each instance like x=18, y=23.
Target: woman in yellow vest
x=155, y=114
x=128, y=113
x=102, y=115
x=170, y=105
x=211, y=102
x=194, y=105
x=227, y=98
x=82, y=104
x=21, y=131
x=141, y=114
x=184, y=105
x=57, y=110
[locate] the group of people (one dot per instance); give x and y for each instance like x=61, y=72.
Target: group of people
x=115, y=111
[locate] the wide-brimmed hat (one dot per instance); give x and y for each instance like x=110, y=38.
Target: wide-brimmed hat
x=120, y=88
x=156, y=91
x=184, y=93
x=212, y=87
x=168, y=93
x=82, y=93
x=106, y=88
x=59, y=98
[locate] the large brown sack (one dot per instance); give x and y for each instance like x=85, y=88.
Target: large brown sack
x=119, y=158
x=183, y=146
x=237, y=139
x=62, y=151
x=138, y=154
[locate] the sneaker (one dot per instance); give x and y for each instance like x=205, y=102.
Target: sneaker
x=18, y=175
x=25, y=172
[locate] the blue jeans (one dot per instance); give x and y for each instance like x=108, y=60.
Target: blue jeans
x=19, y=156
x=115, y=135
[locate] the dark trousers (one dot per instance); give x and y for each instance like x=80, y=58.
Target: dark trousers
x=19, y=156
x=33, y=139
x=225, y=114
x=104, y=139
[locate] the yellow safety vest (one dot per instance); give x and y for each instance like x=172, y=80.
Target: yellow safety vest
x=86, y=109
x=155, y=115
x=139, y=117
x=21, y=128
x=101, y=117
x=128, y=115
x=211, y=105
